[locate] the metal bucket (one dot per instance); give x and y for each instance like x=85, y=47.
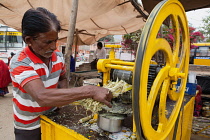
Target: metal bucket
x=110, y=122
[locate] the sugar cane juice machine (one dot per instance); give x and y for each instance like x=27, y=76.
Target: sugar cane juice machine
x=154, y=82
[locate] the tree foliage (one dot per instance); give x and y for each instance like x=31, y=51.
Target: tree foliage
x=195, y=36
x=108, y=38
x=131, y=40
x=205, y=29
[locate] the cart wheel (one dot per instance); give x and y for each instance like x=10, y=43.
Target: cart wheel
x=156, y=109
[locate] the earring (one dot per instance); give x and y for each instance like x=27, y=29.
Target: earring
x=29, y=44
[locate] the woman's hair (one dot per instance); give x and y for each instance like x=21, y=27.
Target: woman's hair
x=39, y=20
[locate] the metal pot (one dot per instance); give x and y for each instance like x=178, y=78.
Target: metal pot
x=110, y=122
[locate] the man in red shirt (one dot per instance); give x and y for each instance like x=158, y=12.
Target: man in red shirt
x=36, y=73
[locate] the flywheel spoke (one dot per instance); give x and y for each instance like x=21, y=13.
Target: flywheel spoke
x=182, y=60
x=162, y=106
x=156, y=87
x=175, y=23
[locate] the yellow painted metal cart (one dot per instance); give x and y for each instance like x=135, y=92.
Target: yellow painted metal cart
x=160, y=109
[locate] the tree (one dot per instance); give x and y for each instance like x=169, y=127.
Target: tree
x=131, y=40
x=195, y=36
x=205, y=29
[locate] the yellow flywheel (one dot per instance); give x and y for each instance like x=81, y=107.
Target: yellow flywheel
x=157, y=108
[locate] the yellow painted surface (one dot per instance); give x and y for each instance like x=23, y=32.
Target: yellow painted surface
x=205, y=62
x=185, y=122
x=11, y=33
x=105, y=65
x=53, y=131
x=122, y=62
x=202, y=60
x=112, y=46
x=176, y=66
x=119, y=67
x=201, y=44
x=187, y=118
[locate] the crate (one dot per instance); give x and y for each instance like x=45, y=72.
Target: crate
x=191, y=88
x=53, y=131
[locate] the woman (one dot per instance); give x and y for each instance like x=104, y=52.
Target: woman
x=4, y=78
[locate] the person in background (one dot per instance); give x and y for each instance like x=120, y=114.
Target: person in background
x=5, y=78
x=72, y=64
x=38, y=70
x=77, y=56
x=9, y=58
x=100, y=53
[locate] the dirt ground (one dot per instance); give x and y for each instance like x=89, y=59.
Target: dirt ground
x=6, y=119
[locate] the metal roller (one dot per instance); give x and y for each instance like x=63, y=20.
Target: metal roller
x=127, y=76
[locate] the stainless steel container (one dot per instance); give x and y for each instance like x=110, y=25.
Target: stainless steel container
x=110, y=122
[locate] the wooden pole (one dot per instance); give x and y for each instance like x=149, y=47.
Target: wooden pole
x=70, y=37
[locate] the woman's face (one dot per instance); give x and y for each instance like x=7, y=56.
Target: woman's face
x=44, y=44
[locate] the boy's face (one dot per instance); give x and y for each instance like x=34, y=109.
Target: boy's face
x=99, y=47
